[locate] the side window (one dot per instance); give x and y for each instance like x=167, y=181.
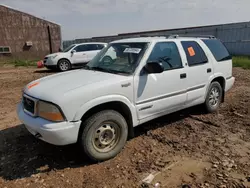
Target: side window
x=100, y=46
x=195, y=54
x=167, y=53
x=218, y=50
x=92, y=47
x=81, y=48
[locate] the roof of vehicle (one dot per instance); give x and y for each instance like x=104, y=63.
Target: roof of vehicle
x=139, y=39
x=161, y=38
x=90, y=43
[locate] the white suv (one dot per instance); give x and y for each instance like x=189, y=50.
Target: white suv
x=75, y=55
x=130, y=82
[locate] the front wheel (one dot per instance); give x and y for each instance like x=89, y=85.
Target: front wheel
x=103, y=135
x=214, y=97
x=64, y=65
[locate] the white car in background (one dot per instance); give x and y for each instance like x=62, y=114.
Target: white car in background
x=75, y=55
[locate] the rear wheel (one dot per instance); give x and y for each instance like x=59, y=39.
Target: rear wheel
x=64, y=65
x=107, y=60
x=103, y=135
x=214, y=97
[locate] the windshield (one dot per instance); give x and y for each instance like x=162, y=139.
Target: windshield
x=69, y=48
x=118, y=58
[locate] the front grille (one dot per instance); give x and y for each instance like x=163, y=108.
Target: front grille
x=29, y=105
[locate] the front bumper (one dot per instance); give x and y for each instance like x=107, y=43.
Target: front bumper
x=50, y=62
x=62, y=133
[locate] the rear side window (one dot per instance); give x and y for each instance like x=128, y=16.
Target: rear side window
x=219, y=51
x=195, y=54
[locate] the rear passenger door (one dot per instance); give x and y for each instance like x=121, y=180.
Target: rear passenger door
x=199, y=69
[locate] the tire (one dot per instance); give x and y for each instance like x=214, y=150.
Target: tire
x=103, y=135
x=107, y=60
x=64, y=65
x=214, y=97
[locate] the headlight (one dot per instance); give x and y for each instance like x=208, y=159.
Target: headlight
x=49, y=111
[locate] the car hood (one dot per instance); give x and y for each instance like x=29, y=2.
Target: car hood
x=57, y=85
x=58, y=53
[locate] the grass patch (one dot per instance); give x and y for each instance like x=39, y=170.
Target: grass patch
x=20, y=63
x=243, y=62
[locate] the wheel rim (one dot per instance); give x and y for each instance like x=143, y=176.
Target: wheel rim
x=106, y=137
x=64, y=65
x=107, y=60
x=214, y=96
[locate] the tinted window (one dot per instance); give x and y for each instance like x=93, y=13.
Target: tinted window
x=195, y=54
x=218, y=49
x=92, y=47
x=81, y=48
x=167, y=53
x=100, y=46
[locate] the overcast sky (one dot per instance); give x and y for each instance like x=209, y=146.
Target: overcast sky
x=88, y=18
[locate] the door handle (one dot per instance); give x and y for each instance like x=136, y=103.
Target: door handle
x=209, y=70
x=184, y=75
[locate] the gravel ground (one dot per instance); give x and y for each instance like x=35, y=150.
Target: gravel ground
x=184, y=149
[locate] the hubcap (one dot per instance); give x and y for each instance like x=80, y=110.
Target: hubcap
x=64, y=65
x=214, y=96
x=107, y=60
x=106, y=137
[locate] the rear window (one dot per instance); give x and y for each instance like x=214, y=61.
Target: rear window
x=218, y=50
x=195, y=54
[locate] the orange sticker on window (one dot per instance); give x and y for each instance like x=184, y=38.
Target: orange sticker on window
x=191, y=51
x=32, y=85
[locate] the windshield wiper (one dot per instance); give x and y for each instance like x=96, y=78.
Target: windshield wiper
x=108, y=70
x=103, y=70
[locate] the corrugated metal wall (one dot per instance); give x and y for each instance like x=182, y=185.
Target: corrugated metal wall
x=235, y=36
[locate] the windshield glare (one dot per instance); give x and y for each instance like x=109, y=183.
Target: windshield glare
x=119, y=57
x=69, y=48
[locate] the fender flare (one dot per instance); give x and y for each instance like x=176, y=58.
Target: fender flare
x=61, y=59
x=216, y=75
x=105, y=99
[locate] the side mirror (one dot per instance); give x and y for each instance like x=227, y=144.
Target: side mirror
x=154, y=67
x=73, y=51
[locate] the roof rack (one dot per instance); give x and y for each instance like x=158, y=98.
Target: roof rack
x=195, y=36
x=151, y=36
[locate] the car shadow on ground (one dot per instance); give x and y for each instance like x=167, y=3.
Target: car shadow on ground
x=168, y=119
x=46, y=71
x=54, y=70
x=22, y=155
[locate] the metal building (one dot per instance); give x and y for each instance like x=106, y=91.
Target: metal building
x=235, y=36
x=26, y=36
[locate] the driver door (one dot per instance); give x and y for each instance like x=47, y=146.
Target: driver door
x=165, y=92
x=80, y=56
